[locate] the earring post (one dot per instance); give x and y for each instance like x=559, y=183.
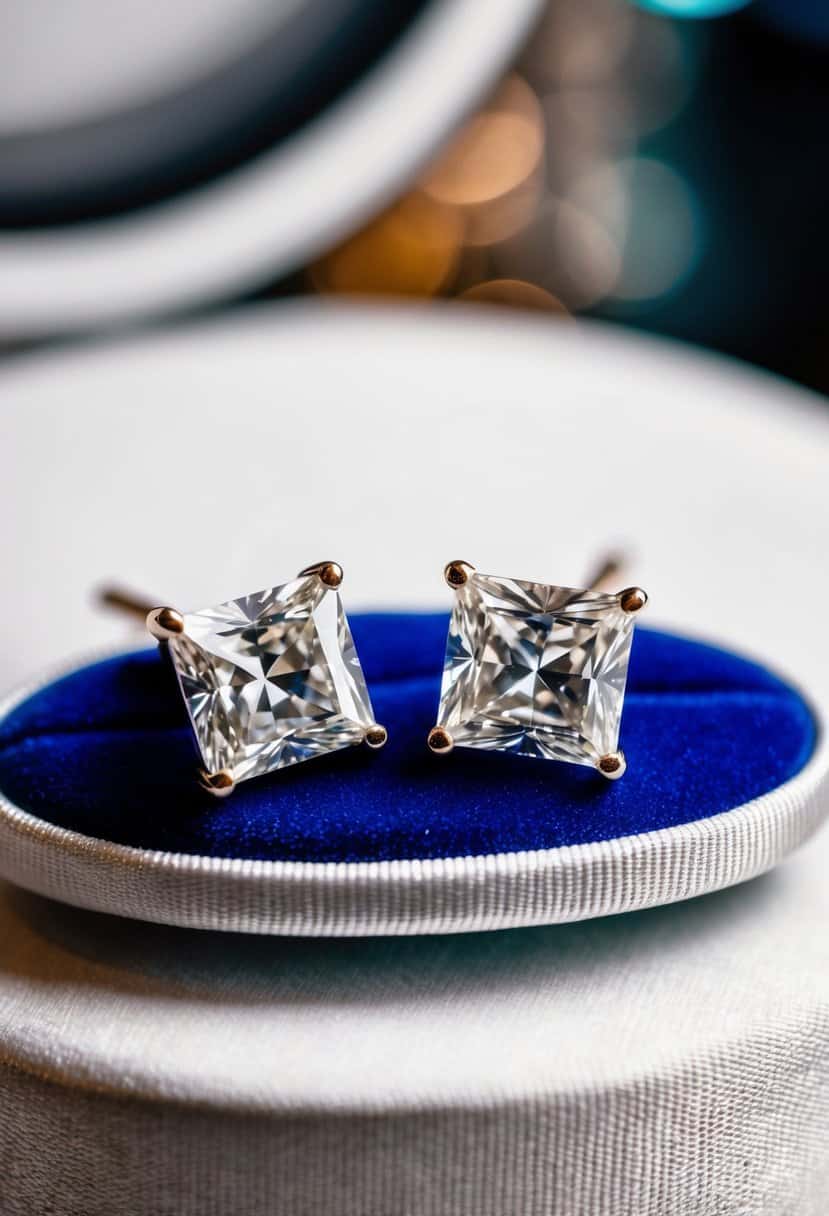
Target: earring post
x=123, y=601
x=606, y=572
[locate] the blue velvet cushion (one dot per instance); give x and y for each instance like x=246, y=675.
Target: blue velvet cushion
x=108, y=752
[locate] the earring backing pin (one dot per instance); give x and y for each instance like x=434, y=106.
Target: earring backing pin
x=606, y=571
x=124, y=601
x=162, y=622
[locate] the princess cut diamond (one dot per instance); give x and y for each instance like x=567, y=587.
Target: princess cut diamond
x=535, y=670
x=272, y=679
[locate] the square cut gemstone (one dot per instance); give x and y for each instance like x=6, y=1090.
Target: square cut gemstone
x=271, y=679
x=535, y=670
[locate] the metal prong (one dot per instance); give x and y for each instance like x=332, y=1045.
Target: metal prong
x=218, y=784
x=376, y=735
x=440, y=741
x=456, y=573
x=329, y=572
x=612, y=766
x=165, y=623
x=632, y=599
x=606, y=571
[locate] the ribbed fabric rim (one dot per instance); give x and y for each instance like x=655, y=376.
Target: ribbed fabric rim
x=411, y=896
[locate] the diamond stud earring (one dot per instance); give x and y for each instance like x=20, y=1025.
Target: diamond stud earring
x=536, y=670
x=270, y=679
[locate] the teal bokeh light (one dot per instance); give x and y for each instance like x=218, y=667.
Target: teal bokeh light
x=692, y=8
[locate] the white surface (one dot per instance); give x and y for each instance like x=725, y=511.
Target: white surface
x=272, y=215
x=197, y=465
x=83, y=59
x=667, y=1063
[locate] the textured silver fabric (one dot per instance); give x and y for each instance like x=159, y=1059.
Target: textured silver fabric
x=674, y=1061
x=638, y=1152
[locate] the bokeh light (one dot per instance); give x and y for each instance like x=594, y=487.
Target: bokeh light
x=589, y=259
x=544, y=199
x=649, y=213
x=514, y=293
x=658, y=62
x=412, y=249
x=498, y=150
x=693, y=8
x=493, y=170
x=581, y=42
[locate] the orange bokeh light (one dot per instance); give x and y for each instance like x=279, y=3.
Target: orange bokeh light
x=412, y=249
x=515, y=293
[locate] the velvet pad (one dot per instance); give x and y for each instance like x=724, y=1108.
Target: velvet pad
x=107, y=751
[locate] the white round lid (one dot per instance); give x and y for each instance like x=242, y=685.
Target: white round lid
x=290, y=432
x=319, y=178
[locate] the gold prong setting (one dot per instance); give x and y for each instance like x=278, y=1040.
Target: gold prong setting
x=165, y=623
x=632, y=600
x=219, y=784
x=457, y=574
x=440, y=741
x=329, y=573
x=376, y=736
x=612, y=766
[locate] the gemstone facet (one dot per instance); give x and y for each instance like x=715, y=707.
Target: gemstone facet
x=272, y=679
x=535, y=670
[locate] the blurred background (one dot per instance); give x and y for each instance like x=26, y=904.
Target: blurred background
x=641, y=166
x=661, y=164
x=222, y=181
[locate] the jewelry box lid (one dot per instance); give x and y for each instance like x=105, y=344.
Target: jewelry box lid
x=714, y=556
x=207, y=155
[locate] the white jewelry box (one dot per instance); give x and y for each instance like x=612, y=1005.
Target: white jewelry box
x=664, y=1061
